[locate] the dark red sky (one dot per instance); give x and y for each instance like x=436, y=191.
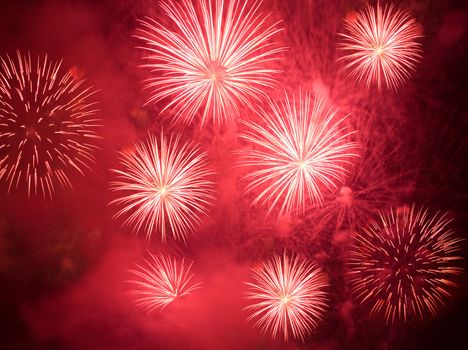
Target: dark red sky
x=63, y=263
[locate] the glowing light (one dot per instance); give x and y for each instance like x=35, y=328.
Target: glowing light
x=299, y=153
x=164, y=185
x=403, y=264
x=381, y=45
x=47, y=124
x=213, y=59
x=288, y=296
x=160, y=281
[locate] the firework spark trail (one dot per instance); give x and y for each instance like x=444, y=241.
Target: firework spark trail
x=47, y=124
x=381, y=45
x=160, y=281
x=299, y=153
x=288, y=296
x=214, y=60
x=403, y=263
x=164, y=184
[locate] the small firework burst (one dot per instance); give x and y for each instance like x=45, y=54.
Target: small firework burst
x=288, y=296
x=403, y=264
x=160, y=281
x=381, y=45
x=47, y=124
x=214, y=59
x=164, y=185
x=299, y=153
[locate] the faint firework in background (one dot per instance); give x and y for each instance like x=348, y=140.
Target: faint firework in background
x=300, y=152
x=404, y=263
x=380, y=45
x=160, y=281
x=164, y=186
x=47, y=124
x=287, y=296
x=380, y=177
x=214, y=59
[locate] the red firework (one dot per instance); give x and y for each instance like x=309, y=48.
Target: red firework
x=47, y=124
x=381, y=45
x=288, y=296
x=164, y=185
x=299, y=153
x=160, y=281
x=403, y=263
x=214, y=59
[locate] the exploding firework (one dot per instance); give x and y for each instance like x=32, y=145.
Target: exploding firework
x=47, y=124
x=299, y=153
x=160, y=281
x=288, y=296
x=403, y=264
x=381, y=45
x=164, y=186
x=214, y=59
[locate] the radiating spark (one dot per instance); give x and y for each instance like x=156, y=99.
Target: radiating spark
x=403, y=264
x=300, y=152
x=288, y=296
x=164, y=186
x=160, y=281
x=213, y=59
x=47, y=124
x=381, y=45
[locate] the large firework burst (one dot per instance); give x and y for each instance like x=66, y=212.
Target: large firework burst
x=403, y=264
x=47, y=124
x=164, y=185
x=381, y=45
x=288, y=296
x=213, y=58
x=160, y=281
x=299, y=152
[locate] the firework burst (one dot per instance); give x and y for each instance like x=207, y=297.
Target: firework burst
x=164, y=186
x=288, y=296
x=403, y=263
x=299, y=153
x=160, y=281
x=214, y=59
x=47, y=124
x=381, y=45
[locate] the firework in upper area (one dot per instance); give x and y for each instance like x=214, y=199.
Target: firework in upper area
x=164, y=186
x=47, y=124
x=403, y=263
x=299, y=152
x=160, y=281
x=380, y=45
x=214, y=57
x=287, y=296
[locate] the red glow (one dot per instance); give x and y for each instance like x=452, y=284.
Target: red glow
x=263, y=148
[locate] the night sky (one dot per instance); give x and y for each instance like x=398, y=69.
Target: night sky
x=64, y=262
